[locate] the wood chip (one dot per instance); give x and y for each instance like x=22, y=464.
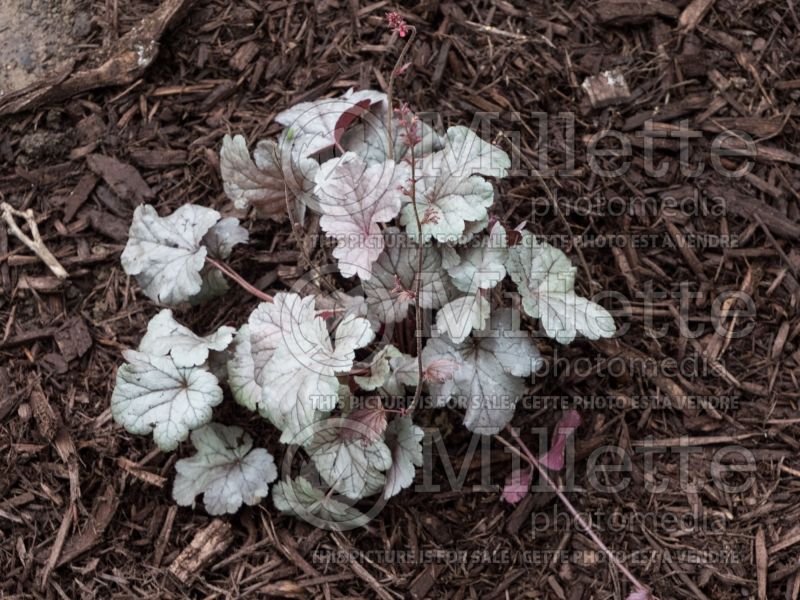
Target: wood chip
x=43, y=283
x=208, y=543
x=423, y=583
x=159, y=157
x=73, y=338
x=631, y=356
x=686, y=250
x=762, y=562
x=756, y=126
x=607, y=88
x=244, y=56
x=109, y=225
x=102, y=512
x=747, y=207
x=163, y=537
x=141, y=473
x=693, y=14
x=626, y=12
x=8, y=399
x=121, y=177
x=47, y=419
x=78, y=195
x=358, y=569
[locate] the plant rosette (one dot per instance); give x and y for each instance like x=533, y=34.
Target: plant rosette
x=411, y=231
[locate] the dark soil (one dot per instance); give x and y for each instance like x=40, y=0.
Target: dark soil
x=85, y=509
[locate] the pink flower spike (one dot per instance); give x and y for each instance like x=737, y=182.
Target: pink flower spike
x=397, y=23
x=553, y=459
x=402, y=111
x=517, y=485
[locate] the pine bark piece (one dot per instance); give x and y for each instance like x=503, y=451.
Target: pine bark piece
x=103, y=511
x=748, y=207
x=607, y=88
x=625, y=12
x=78, y=196
x=244, y=56
x=48, y=421
x=762, y=563
x=208, y=543
x=121, y=177
x=693, y=14
x=73, y=338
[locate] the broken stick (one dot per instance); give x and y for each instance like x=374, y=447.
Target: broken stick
x=36, y=244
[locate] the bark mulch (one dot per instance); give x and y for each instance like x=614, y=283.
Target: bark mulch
x=85, y=509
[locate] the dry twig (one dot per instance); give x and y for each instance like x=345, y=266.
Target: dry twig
x=36, y=244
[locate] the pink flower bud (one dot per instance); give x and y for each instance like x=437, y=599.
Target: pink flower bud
x=397, y=23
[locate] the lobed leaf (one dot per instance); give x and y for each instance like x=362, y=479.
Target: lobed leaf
x=166, y=336
x=242, y=371
x=482, y=266
x=299, y=498
x=545, y=278
x=350, y=465
x=405, y=441
x=166, y=254
x=368, y=137
x=296, y=364
x=318, y=125
x=391, y=370
x=226, y=469
x=459, y=317
x=154, y=395
x=450, y=191
x=397, y=265
x=487, y=380
x=354, y=198
x=275, y=176
x=223, y=236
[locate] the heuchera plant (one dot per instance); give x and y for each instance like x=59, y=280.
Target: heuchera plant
x=411, y=222
x=408, y=214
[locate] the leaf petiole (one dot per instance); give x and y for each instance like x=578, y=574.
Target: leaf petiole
x=527, y=455
x=229, y=272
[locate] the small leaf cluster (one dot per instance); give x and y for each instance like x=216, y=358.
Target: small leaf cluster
x=408, y=214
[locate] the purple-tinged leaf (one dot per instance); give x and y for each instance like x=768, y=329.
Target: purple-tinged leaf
x=353, y=199
x=517, y=485
x=553, y=459
x=318, y=125
x=367, y=423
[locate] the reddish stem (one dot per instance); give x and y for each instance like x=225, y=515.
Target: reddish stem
x=390, y=92
x=528, y=455
x=228, y=271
